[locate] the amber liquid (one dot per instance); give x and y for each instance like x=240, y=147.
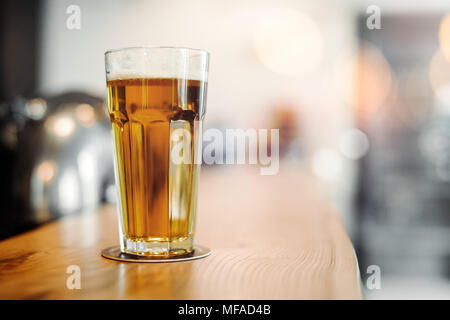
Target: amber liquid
x=157, y=197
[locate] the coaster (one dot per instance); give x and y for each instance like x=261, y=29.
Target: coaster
x=114, y=253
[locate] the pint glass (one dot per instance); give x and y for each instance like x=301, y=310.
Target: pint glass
x=153, y=92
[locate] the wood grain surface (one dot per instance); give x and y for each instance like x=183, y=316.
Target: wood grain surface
x=272, y=237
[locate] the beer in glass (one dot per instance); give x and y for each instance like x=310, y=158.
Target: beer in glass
x=152, y=92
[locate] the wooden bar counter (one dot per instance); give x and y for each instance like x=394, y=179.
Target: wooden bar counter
x=272, y=237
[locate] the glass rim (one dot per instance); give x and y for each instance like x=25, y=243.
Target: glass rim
x=110, y=51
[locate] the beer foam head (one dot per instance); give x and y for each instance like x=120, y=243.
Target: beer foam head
x=160, y=62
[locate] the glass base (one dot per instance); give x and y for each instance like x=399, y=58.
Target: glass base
x=157, y=247
x=115, y=253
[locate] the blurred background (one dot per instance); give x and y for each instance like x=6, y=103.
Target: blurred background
x=365, y=107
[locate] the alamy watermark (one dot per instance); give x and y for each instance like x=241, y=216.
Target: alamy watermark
x=236, y=146
x=373, y=281
x=73, y=21
x=374, y=19
x=74, y=280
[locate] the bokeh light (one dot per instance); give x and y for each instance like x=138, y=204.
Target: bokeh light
x=364, y=80
x=444, y=36
x=36, y=108
x=46, y=171
x=442, y=100
x=69, y=191
x=61, y=125
x=85, y=114
x=353, y=144
x=439, y=70
x=327, y=163
x=288, y=42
